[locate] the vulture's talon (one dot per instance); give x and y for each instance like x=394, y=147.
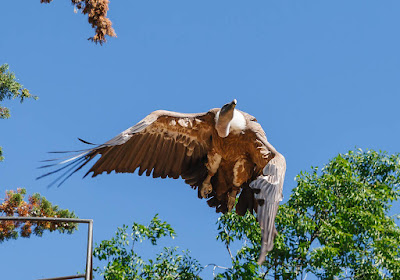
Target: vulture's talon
x=205, y=190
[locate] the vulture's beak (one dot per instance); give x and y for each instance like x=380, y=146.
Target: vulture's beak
x=228, y=108
x=232, y=105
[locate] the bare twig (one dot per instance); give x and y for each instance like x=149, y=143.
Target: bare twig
x=214, y=267
x=227, y=245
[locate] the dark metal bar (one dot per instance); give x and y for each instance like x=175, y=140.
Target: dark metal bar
x=48, y=219
x=89, y=257
x=65, y=277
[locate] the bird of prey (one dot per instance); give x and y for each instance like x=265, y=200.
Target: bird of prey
x=221, y=153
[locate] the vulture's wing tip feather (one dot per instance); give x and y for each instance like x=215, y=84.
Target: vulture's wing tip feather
x=263, y=254
x=46, y=166
x=268, y=190
x=87, y=173
x=72, y=164
x=86, y=142
x=68, y=152
x=60, y=159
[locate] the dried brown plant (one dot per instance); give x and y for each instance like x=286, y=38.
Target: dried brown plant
x=97, y=17
x=37, y=206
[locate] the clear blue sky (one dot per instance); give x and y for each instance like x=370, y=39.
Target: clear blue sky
x=322, y=77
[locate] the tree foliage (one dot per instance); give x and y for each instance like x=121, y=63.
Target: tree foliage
x=335, y=225
x=97, y=17
x=233, y=228
x=36, y=206
x=10, y=89
x=123, y=262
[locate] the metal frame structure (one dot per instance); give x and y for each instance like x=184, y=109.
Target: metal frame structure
x=89, y=255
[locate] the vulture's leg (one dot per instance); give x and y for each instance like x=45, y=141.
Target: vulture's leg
x=241, y=174
x=213, y=162
x=232, y=198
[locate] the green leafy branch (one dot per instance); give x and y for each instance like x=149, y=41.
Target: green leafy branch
x=124, y=263
x=11, y=89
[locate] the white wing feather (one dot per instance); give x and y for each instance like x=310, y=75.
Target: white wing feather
x=268, y=193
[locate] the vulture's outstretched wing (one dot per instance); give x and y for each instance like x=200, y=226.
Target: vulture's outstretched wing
x=268, y=193
x=267, y=188
x=163, y=143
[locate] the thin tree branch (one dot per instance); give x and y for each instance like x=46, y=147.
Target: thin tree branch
x=214, y=267
x=227, y=246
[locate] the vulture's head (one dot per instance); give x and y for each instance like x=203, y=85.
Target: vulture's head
x=226, y=112
x=229, y=120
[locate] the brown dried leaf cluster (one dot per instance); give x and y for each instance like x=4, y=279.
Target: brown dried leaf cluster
x=37, y=206
x=97, y=17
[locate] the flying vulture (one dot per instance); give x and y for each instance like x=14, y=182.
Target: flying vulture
x=221, y=153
